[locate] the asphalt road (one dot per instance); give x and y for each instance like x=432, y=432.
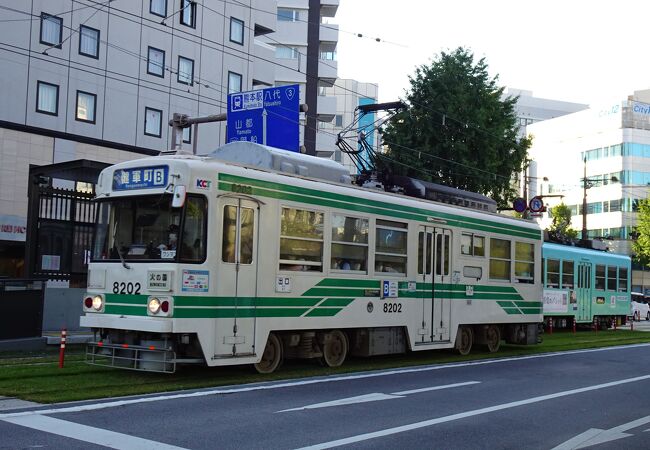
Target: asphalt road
x=595, y=399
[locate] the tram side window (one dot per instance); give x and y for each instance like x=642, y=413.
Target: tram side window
x=390, y=247
x=611, y=278
x=622, y=279
x=472, y=245
x=349, y=243
x=553, y=273
x=524, y=262
x=567, y=275
x=193, y=238
x=246, y=233
x=421, y=254
x=600, y=277
x=500, y=259
x=301, y=240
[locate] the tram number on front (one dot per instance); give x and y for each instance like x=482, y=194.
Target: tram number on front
x=126, y=288
x=392, y=307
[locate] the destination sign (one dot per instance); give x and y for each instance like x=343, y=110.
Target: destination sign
x=140, y=178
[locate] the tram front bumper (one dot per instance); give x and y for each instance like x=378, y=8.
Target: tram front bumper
x=150, y=324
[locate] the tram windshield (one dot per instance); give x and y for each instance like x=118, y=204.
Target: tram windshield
x=149, y=228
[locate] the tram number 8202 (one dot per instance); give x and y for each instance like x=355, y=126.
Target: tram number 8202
x=392, y=307
x=126, y=288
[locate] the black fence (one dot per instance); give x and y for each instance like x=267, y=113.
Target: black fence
x=21, y=308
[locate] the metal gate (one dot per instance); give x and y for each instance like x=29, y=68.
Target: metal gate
x=60, y=222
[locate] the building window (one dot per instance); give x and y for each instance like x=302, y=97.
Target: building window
x=236, y=31
x=158, y=7
x=286, y=52
x=152, y=122
x=88, y=41
x=338, y=120
x=301, y=240
x=187, y=135
x=185, y=71
x=51, y=29
x=188, y=13
x=234, y=82
x=390, y=247
x=288, y=15
x=500, y=259
x=349, y=243
x=86, y=106
x=47, y=98
x=156, y=62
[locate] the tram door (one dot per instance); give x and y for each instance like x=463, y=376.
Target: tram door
x=583, y=292
x=236, y=277
x=434, y=276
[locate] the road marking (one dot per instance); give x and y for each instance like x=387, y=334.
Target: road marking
x=464, y=415
x=435, y=388
x=269, y=386
x=85, y=433
x=595, y=436
x=376, y=396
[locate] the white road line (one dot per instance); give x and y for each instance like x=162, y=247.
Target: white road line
x=85, y=433
x=270, y=386
x=435, y=388
x=476, y=412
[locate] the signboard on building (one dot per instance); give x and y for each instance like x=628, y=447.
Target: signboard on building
x=266, y=116
x=13, y=228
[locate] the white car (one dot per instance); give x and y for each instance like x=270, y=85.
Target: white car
x=639, y=309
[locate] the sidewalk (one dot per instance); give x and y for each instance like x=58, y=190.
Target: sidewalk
x=40, y=343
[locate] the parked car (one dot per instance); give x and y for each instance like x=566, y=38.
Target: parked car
x=639, y=307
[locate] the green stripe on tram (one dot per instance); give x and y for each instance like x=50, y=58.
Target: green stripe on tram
x=349, y=202
x=189, y=301
x=225, y=313
x=140, y=300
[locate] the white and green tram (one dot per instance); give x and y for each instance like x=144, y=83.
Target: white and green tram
x=252, y=255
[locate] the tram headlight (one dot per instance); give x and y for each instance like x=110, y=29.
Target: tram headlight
x=98, y=302
x=160, y=306
x=154, y=305
x=94, y=303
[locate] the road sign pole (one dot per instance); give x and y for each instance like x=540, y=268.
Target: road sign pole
x=264, y=114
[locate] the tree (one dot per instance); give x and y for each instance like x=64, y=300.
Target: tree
x=641, y=245
x=561, y=229
x=456, y=129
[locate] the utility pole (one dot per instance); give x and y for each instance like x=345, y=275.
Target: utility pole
x=584, y=201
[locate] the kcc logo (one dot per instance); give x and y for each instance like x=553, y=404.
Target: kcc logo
x=203, y=184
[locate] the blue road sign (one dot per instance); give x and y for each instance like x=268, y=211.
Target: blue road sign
x=266, y=116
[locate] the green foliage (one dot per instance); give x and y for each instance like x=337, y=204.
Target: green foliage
x=641, y=244
x=561, y=226
x=456, y=130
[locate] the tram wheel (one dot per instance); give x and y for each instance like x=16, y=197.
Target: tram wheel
x=493, y=338
x=335, y=349
x=272, y=356
x=464, y=340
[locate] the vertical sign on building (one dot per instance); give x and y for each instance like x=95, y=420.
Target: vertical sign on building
x=366, y=125
x=266, y=116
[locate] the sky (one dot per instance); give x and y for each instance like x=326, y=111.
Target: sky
x=579, y=51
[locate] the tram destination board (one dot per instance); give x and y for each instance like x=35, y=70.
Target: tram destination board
x=265, y=116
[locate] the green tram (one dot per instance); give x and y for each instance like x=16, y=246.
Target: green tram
x=252, y=255
x=585, y=285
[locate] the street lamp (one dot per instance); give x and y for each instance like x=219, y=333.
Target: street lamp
x=586, y=184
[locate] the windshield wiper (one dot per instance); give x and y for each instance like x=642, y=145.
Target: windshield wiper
x=117, y=247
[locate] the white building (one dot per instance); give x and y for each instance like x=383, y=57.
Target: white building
x=305, y=49
x=91, y=80
x=614, y=139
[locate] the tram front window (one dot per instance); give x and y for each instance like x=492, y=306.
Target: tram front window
x=148, y=228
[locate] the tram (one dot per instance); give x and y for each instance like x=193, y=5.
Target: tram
x=252, y=255
x=585, y=285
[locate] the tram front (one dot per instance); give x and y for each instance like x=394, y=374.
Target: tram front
x=150, y=234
